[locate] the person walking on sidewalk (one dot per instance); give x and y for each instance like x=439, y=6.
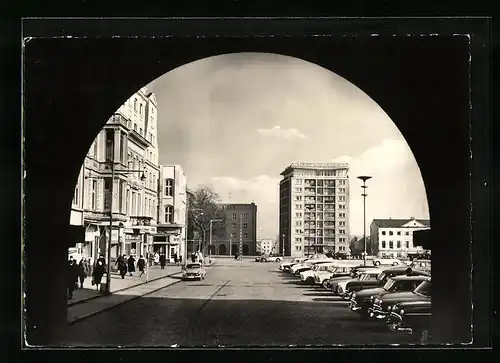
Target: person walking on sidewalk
x=72, y=277
x=122, y=265
x=176, y=260
x=82, y=271
x=163, y=261
x=99, y=269
x=141, y=264
x=131, y=265
x=180, y=260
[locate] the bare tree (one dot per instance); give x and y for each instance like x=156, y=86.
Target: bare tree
x=204, y=205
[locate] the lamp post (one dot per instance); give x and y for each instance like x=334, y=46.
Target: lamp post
x=364, y=178
x=109, y=244
x=283, y=242
x=210, y=245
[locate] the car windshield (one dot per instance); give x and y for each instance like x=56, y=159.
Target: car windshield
x=193, y=265
x=389, y=284
x=381, y=276
x=424, y=288
x=364, y=277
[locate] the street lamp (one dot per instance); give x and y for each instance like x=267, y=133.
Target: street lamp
x=283, y=242
x=111, y=191
x=210, y=245
x=364, y=178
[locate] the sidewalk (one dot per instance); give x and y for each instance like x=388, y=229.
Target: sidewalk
x=117, y=283
x=127, y=291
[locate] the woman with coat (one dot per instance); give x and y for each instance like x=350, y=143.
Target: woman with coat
x=99, y=269
x=131, y=265
x=122, y=266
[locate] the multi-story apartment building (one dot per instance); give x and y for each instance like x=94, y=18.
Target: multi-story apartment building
x=126, y=149
x=171, y=234
x=240, y=230
x=314, y=208
x=268, y=246
x=394, y=237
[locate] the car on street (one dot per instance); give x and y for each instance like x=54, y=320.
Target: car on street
x=410, y=316
x=368, y=275
x=382, y=305
x=382, y=278
x=355, y=273
x=322, y=277
x=268, y=258
x=297, y=269
x=362, y=300
x=285, y=266
x=194, y=271
x=378, y=261
x=308, y=275
x=421, y=264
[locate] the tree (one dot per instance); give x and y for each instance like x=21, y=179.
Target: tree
x=203, y=206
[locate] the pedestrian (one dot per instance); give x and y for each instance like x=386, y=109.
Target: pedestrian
x=193, y=257
x=131, y=265
x=98, y=272
x=175, y=258
x=163, y=260
x=157, y=258
x=122, y=265
x=82, y=271
x=141, y=263
x=72, y=277
x=180, y=260
x=90, y=267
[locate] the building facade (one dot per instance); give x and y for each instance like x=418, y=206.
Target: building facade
x=394, y=237
x=120, y=172
x=171, y=233
x=239, y=233
x=314, y=209
x=267, y=246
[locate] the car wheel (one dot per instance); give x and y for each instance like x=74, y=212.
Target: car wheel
x=278, y=260
x=325, y=283
x=377, y=263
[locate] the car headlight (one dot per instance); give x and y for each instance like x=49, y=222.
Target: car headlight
x=378, y=301
x=340, y=289
x=353, y=295
x=402, y=312
x=389, y=308
x=372, y=298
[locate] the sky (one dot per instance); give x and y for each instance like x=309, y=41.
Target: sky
x=235, y=122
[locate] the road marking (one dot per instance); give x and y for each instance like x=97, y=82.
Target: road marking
x=211, y=296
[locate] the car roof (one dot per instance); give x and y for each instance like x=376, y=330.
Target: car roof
x=413, y=277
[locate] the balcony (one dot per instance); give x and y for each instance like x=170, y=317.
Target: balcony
x=119, y=119
x=141, y=140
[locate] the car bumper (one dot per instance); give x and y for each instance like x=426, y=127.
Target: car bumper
x=376, y=312
x=192, y=277
x=395, y=323
x=353, y=305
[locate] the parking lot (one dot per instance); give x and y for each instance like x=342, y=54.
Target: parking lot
x=239, y=303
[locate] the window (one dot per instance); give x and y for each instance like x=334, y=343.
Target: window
x=245, y=235
x=342, y=199
x=95, y=149
x=383, y=244
x=140, y=108
x=169, y=215
x=110, y=143
x=245, y=225
x=298, y=206
x=399, y=233
x=133, y=212
x=140, y=130
x=399, y=244
x=407, y=233
x=298, y=181
x=75, y=197
x=383, y=233
x=245, y=216
x=298, y=197
x=135, y=104
x=123, y=150
x=135, y=127
x=391, y=233
x=107, y=193
x=342, y=215
x=341, y=223
x=120, y=196
x=407, y=244
x=391, y=245
x=298, y=223
x=233, y=225
x=127, y=202
x=169, y=187
x=341, y=206
x=233, y=234
x=234, y=216
x=298, y=214
x=341, y=231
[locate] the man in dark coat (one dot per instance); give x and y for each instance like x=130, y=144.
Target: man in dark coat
x=131, y=265
x=163, y=260
x=82, y=271
x=99, y=269
x=141, y=264
x=72, y=277
x=122, y=265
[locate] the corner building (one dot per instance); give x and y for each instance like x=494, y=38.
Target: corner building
x=314, y=209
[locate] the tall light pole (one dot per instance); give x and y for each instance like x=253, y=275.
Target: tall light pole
x=283, y=242
x=210, y=245
x=364, y=178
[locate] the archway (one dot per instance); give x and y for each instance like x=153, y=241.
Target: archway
x=96, y=74
x=222, y=250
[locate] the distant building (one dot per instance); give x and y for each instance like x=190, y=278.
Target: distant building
x=314, y=208
x=394, y=237
x=240, y=229
x=171, y=233
x=268, y=246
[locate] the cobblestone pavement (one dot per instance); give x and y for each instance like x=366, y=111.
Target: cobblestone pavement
x=239, y=303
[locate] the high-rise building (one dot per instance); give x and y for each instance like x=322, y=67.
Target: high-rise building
x=240, y=230
x=314, y=209
x=172, y=214
x=126, y=147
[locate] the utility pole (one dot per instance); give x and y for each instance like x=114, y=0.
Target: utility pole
x=364, y=195
x=108, y=267
x=283, y=242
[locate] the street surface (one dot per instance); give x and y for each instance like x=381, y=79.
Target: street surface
x=239, y=303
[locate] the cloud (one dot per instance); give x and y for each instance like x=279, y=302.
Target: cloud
x=278, y=132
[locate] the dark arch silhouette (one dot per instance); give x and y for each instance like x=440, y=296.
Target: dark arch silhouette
x=78, y=82
x=222, y=250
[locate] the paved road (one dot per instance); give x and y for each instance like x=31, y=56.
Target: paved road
x=239, y=303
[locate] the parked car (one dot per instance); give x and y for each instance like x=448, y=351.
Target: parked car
x=382, y=278
x=377, y=261
x=322, y=277
x=362, y=300
x=355, y=273
x=410, y=316
x=368, y=275
x=194, y=271
x=308, y=275
x=424, y=265
x=382, y=305
x=287, y=265
x=297, y=269
x=268, y=258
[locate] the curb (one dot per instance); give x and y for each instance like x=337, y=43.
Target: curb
x=122, y=289
x=80, y=318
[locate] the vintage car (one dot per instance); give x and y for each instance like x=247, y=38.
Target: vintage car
x=382, y=305
x=355, y=273
x=308, y=275
x=323, y=276
x=285, y=266
x=382, y=278
x=410, y=316
x=194, y=271
x=367, y=275
x=421, y=264
x=268, y=258
x=382, y=261
x=297, y=269
x=362, y=300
